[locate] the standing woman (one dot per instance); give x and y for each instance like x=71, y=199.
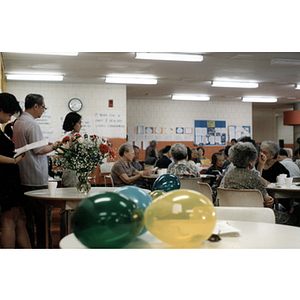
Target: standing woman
x=11, y=197
x=71, y=125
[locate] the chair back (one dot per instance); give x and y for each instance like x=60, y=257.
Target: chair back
x=106, y=167
x=250, y=214
x=105, y=172
x=205, y=189
x=190, y=183
x=248, y=198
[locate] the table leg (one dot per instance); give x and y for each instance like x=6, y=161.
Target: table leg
x=46, y=226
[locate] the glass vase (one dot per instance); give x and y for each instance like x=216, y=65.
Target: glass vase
x=83, y=186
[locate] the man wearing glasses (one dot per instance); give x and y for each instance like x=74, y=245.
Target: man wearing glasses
x=34, y=168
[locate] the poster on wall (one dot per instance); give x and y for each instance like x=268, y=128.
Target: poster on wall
x=236, y=132
x=210, y=133
x=110, y=124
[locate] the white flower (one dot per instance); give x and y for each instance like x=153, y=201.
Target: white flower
x=80, y=140
x=59, y=150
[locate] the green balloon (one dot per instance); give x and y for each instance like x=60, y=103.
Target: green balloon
x=107, y=220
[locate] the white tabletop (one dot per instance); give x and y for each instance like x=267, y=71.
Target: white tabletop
x=253, y=235
x=281, y=191
x=67, y=198
x=69, y=193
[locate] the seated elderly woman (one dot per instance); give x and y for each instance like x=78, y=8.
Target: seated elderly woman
x=180, y=167
x=122, y=172
x=272, y=168
x=243, y=157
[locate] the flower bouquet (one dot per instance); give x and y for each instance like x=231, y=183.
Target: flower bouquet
x=83, y=155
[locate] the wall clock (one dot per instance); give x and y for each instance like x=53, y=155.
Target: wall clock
x=75, y=104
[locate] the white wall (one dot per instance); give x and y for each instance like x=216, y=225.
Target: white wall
x=268, y=125
x=94, y=97
x=169, y=113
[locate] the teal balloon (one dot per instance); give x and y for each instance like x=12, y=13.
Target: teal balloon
x=107, y=220
x=138, y=195
x=166, y=182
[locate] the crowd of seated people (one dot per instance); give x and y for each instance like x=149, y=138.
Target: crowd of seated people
x=244, y=156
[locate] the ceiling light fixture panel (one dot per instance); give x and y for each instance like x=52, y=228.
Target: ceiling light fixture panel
x=259, y=99
x=235, y=84
x=188, y=97
x=285, y=61
x=35, y=77
x=129, y=79
x=169, y=56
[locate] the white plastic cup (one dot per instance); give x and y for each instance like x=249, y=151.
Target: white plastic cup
x=52, y=185
x=280, y=178
x=160, y=172
x=164, y=171
x=288, y=182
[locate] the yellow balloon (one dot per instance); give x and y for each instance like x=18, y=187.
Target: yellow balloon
x=156, y=194
x=181, y=218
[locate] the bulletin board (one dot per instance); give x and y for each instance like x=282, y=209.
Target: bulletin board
x=236, y=132
x=210, y=133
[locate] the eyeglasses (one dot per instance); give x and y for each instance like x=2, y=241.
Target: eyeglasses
x=44, y=107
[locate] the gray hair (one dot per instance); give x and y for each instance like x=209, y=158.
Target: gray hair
x=242, y=154
x=178, y=151
x=273, y=147
x=153, y=143
x=124, y=148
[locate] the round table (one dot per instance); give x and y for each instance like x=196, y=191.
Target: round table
x=253, y=235
x=65, y=198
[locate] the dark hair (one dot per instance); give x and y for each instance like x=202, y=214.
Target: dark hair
x=70, y=120
x=135, y=147
x=227, y=149
x=9, y=104
x=233, y=140
x=124, y=148
x=214, y=157
x=283, y=152
x=189, y=153
x=296, y=152
x=32, y=99
x=202, y=149
x=166, y=149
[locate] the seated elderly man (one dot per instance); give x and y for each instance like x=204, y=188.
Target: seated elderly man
x=288, y=163
x=141, y=182
x=243, y=156
x=122, y=172
x=180, y=167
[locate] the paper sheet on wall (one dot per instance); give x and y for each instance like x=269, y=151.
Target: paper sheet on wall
x=131, y=130
x=169, y=137
x=110, y=124
x=179, y=137
x=136, y=143
x=131, y=138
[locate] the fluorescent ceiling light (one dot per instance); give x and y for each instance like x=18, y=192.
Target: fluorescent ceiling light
x=285, y=61
x=169, y=56
x=35, y=77
x=130, y=80
x=259, y=99
x=191, y=97
x=235, y=84
x=49, y=53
